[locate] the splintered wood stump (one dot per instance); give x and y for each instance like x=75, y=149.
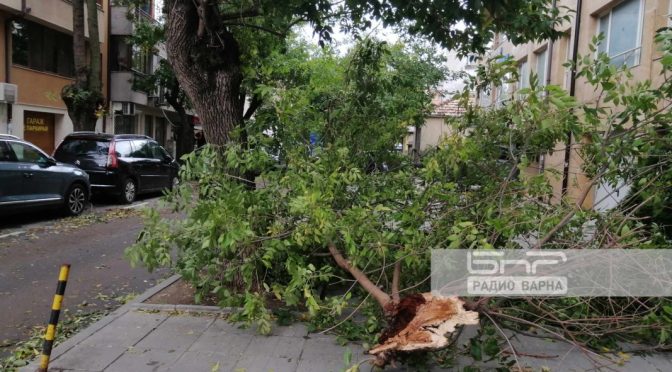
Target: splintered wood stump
x=421, y=322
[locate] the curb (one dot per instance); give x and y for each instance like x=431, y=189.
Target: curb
x=82, y=335
x=183, y=308
x=155, y=289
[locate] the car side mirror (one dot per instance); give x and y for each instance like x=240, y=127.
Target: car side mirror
x=49, y=162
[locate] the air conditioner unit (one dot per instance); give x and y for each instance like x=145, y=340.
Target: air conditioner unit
x=8, y=92
x=127, y=108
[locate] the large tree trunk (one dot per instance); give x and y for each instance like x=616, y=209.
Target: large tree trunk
x=79, y=44
x=416, y=322
x=205, y=58
x=94, y=83
x=184, y=132
x=83, y=97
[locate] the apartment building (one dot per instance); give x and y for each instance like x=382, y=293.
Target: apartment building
x=134, y=110
x=36, y=62
x=629, y=28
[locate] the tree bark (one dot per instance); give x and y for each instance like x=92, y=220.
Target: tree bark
x=94, y=83
x=205, y=58
x=83, y=97
x=79, y=44
x=383, y=298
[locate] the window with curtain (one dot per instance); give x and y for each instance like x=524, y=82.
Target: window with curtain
x=622, y=33
x=542, y=60
x=523, y=75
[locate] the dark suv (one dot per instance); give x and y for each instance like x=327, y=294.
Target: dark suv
x=123, y=164
x=30, y=179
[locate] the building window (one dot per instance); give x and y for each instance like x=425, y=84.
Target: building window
x=146, y=7
x=523, y=75
x=142, y=61
x=504, y=90
x=622, y=28
x=485, y=98
x=542, y=61
x=124, y=124
x=568, y=57
x=120, y=54
x=128, y=57
x=43, y=49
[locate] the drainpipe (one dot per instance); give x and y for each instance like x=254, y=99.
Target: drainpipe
x=572, y=93
x=108, y=9
x=8, y=62
x=549, y=65
x=549, y=58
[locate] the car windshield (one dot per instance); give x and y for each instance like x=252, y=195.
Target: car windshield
x=80, y=147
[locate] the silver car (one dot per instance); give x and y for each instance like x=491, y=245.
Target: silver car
x=31, y=179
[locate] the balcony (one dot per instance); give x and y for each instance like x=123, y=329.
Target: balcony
x=121, y=24
x=121, y=88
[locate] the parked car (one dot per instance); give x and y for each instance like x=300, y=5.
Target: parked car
x=121, y=164
x=29, y=179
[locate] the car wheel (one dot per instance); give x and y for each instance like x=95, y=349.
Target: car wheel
x=128, y=191
x=75, y=200
x=174, y=182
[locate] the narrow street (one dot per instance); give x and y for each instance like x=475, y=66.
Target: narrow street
x=32, y=248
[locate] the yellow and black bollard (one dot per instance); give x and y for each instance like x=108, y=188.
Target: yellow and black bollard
x=53, y=319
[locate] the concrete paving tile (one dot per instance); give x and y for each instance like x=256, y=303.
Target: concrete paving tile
x=223, y=325
x=138, y=360
x=127, y=330
x=197, y=361
x=264, y=363
x=294, y=330
x=320, y=349
x=176, y=333
x=84, y=357
x=326, y=365
x=231, y=344
x=276, y=347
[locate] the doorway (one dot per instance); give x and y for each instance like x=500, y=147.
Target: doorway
x=38, y=129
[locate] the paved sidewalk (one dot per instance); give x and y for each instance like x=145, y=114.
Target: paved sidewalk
x=141, y=337
x=160, y=341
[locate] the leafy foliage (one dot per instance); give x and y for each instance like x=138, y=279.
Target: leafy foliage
x=248, y=245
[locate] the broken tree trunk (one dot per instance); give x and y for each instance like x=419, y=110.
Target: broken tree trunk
x=416, y=322
x=422, y=322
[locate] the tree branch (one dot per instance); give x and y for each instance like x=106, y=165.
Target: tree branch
x=380, y=296
x=261, y=28
x=254, y=105
x=395, y=281
x=249, y=13
x=568, y=217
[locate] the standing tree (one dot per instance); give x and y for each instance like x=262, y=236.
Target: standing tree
x=83, y=97
x=214, y=45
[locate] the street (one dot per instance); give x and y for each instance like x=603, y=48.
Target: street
x=32, y=248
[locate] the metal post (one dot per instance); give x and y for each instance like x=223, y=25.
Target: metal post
x=53, y=319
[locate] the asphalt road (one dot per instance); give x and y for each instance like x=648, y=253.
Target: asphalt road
x=32, y=248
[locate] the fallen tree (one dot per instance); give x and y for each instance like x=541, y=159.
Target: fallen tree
x=329, y=235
